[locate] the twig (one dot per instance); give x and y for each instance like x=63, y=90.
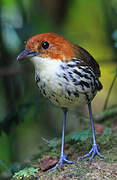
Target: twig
x=109, y=92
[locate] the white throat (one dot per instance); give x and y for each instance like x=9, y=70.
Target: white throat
x=45, y=64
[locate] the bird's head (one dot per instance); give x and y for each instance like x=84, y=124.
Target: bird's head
x=48, y=45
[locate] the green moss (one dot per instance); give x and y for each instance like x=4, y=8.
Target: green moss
x=98, y=169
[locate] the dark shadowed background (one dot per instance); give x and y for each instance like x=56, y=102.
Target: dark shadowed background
x=25, y=116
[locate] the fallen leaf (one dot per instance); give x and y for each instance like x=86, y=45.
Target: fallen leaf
x=46, y=163
x=99, y=128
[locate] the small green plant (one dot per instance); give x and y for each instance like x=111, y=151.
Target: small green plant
x=81, y=135
x=26, y=173
x=51, y=143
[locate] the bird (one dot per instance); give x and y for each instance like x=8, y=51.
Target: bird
x=68, y=76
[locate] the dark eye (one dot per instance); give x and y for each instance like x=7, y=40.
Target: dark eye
x=45, y=45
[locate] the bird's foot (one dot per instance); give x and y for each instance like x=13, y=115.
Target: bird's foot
x=62, y=161
x=93, y=151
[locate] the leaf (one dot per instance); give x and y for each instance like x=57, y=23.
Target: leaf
x=82, y=135
x=107, y=131
x=46, y=163
x=27, y=172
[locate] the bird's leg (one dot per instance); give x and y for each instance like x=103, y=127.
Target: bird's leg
x=94, y=149
x=63, y=157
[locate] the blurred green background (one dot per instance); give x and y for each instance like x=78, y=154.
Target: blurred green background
x=91, y=24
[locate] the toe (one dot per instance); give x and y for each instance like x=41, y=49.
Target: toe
x=93, y=151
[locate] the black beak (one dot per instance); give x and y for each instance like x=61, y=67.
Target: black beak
x=27, y=54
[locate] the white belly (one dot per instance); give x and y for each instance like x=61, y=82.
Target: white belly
x=59, y=87
x=62, y=93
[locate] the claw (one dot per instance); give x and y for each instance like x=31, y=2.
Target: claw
x=93, y=151
x=61, y=162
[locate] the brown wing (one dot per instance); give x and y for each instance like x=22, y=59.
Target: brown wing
x=88, y=60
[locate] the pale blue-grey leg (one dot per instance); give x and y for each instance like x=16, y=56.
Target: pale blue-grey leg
x=94, y=149
x=62, y=155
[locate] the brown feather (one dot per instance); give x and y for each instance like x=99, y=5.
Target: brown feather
x=87, y=60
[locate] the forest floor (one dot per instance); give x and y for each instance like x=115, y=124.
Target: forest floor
x=101, y=169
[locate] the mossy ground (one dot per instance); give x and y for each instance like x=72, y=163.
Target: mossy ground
x=98, y=169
